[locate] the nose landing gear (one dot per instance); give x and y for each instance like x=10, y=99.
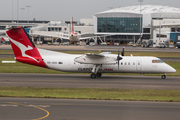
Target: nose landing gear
x=163, y=76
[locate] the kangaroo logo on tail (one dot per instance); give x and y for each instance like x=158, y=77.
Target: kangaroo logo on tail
x=23, y=49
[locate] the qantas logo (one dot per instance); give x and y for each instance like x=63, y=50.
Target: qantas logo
x=23, y=49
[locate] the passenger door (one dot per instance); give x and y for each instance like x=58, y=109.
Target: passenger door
x=138, y=65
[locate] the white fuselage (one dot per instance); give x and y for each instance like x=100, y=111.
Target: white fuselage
x=129, y=64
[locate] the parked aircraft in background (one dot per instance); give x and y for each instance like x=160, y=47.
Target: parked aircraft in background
x=4, y=39
x=72, y=36
x=26, y=52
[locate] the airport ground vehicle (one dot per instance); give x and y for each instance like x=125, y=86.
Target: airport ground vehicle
x=178, y=44
x=163, y=44
x=147, y=43
x=171, y=44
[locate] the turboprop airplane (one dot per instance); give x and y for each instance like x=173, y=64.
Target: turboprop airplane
x=26, y=52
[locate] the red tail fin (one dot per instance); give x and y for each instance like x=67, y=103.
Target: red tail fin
x=23, y=48
x=72, y=26
x=2, y=39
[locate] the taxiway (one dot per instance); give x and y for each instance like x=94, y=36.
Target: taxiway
x=64, y=109
x=84, y=81
x=106, y=48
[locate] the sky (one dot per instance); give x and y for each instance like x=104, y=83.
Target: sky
x=61, y=10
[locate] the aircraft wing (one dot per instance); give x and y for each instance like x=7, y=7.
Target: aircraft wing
x=99, y=36
x=84, y=38
x=91, y=58
x=2, y=31
x=51, y=34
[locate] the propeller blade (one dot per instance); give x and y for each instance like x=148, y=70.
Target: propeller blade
x=118, y=64
x=122, y=52
x=118, y=59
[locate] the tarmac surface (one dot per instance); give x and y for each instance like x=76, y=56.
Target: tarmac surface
x=64, y=109
x=84, y=81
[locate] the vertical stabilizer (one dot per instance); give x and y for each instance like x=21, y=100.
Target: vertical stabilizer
x=23, y=48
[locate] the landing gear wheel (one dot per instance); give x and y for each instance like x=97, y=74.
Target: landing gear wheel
x=163, y=76
x=93, y=76
x=98, y=74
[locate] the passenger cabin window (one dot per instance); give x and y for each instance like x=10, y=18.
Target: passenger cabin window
x=134, y=63
x=121, y=63
x=129, y=63
x=157, y=61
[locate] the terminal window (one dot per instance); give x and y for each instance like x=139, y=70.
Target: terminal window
x=2, y=27
x=119, y=25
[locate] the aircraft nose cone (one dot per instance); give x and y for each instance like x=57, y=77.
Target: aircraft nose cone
x=172, y=70
x=169, y=69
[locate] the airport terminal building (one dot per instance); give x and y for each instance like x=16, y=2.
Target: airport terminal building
x=122, y=25
x=128, y=23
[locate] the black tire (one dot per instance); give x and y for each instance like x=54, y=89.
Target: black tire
x=163, y=76
x=99, y=74
x=93, y=76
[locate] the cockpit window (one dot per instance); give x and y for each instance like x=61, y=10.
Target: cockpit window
x=157, y=61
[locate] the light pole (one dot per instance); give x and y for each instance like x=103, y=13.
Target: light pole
x=28, y=12
x=17, y=11
x=12, y=11
x=22, y=12
x=140, y=19
x=159, y=26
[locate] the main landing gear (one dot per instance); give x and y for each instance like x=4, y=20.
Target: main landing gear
x=95, y=71
x=93, y=76
x=163, y=76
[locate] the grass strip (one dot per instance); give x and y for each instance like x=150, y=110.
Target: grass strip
x=92, y=93
x=6, y=52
